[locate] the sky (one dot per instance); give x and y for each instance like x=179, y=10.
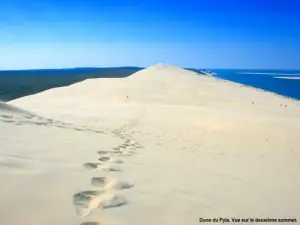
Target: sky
x=258, y=34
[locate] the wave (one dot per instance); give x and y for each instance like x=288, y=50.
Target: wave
x=289, y=78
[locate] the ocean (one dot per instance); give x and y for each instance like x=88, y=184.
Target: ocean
x=16, y=84
x=282, y=82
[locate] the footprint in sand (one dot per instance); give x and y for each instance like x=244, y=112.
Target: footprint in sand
x=126, y=146
x=92, y=166
x=123, y=151
x=84, y=197
x=98, y=181
x=109, y=168
x=104, y=158
x=7, y=116
x=85, y=202
x=7, y=121
x=90, y=223
x=128, y=140
x=108, y=152
x=98, y=132
x=109, y=159
x=102, y=152
x=126, y=154
x=130, y=143
x=78, y=129
x=29, y=116
x=99, y=166
x=122, y=146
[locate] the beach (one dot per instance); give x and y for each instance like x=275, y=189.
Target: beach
x=162, y=146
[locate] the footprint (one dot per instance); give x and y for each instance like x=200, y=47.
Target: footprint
x=123, y=146
x=119, y=150
x=8, y=121
x=40, y=123
x=90, y=223
x=7, y=116
x=130, y=147
x=126, y=154
x=127, y=150
x=78, y=129
x=85, y=195
x=91, y=166
x=116, y=152
x=84, y=198
x=98, y=132
x=111, y=184
x=108, y=152
x=129, y=140
x=86, y=201
x=102, y=152
x=110, y=169
x=98, y=181
x=104, y=158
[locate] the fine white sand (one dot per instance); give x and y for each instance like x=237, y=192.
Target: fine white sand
x=163, y=146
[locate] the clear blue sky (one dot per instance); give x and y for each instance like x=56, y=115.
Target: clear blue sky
x=103, y=33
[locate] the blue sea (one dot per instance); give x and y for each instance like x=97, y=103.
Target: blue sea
x=282, y=82
x=16, y=84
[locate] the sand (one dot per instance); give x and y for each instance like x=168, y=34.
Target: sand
x=163, y=146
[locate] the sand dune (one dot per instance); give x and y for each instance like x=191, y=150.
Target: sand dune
x=163, y=146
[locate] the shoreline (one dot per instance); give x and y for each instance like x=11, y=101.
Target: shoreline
x=258, y=89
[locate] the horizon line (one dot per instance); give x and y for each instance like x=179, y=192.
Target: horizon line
x=139, y=67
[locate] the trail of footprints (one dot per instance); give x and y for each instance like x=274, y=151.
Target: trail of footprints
x=30, y=119
x=107, y=192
